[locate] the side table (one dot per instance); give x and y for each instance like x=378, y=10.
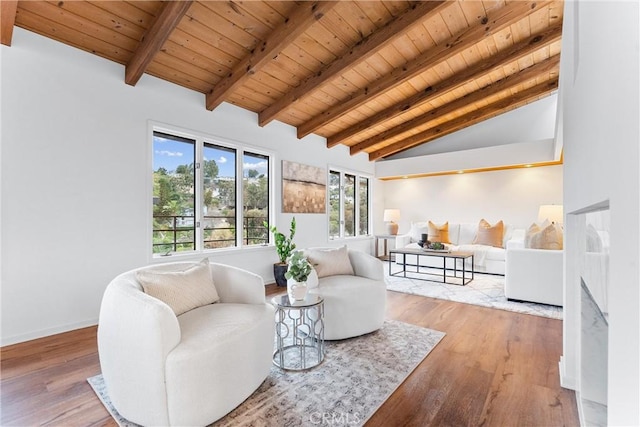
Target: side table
x=384, y=237
x=299, y=332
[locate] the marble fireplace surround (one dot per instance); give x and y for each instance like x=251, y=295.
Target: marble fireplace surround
x=593, y=227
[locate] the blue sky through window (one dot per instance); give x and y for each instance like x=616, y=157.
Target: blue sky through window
x=169, y=154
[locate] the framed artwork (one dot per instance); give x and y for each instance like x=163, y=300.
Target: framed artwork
x=304, y=188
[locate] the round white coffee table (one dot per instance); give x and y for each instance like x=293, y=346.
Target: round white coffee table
x=299, y=332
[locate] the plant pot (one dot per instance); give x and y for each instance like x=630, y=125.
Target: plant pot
x=278, y=272
x=297, y=291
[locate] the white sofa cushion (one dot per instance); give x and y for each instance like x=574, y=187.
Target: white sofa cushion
x=417, y=230
x=181, y=290
x=353, y=305
x=466, y=234
x=213, y=368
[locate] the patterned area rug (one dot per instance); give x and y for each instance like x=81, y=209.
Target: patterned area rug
x=486, y=290
x=355, y=378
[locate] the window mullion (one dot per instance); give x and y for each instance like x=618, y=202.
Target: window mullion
x=239, y=198
x=356, y=207
x=198, y=196
x=342, y=198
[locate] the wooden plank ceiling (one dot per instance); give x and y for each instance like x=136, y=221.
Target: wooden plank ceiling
x=377, y=76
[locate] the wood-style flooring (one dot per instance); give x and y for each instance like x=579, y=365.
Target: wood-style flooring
x=493, y=368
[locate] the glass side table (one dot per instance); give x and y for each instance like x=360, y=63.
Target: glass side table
x=299, y=332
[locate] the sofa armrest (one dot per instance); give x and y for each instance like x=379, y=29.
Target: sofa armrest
x=402, y=240
x=236, y=285
x=534, y=275
x=365, y=265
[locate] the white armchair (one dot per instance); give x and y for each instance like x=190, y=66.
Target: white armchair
x=353, y=304
x=190, y=369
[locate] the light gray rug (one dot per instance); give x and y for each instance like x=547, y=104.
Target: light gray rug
x=355, y=378
x=486, y=290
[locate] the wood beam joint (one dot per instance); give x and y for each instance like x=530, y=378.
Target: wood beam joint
x=499, y=60
x=359, y=52
x=294, y=26
x=499, y=19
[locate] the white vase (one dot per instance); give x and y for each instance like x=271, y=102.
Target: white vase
x=297, y=291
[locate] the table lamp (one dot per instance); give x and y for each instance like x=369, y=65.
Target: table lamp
x=551, y=212
x=390, y=217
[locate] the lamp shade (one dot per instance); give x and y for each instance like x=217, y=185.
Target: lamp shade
x=392, y=215
x=553, y=213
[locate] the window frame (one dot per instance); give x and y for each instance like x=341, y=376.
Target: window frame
x=202, y=138
x=357, y=175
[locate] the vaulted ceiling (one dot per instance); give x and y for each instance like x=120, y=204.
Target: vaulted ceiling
x=378, y=76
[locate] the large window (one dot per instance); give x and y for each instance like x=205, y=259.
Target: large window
x=349, y=205
x=198, y=201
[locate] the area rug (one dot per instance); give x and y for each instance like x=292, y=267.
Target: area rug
x=355, y=378
x=486, y=290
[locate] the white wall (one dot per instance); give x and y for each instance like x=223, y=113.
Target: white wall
x=75, y=177
x=600, y=100
x=533, y=122
x=512, y=195
x=520, y=153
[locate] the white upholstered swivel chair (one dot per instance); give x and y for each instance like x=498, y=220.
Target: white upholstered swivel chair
x=189, y=369
x=354, y=304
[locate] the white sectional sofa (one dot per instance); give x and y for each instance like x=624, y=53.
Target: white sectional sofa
x=487, y=259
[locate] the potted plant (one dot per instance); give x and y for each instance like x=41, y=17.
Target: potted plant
x=284, y=248
x=297, y=273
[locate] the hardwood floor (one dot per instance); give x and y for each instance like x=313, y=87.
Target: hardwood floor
x=493, y=368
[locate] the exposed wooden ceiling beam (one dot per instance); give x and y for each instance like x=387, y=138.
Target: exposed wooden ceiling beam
x=509, y=82
x=8, y=11
x=502, y=106
x=366, y=47
x=154, y=39
x=301, y=19
x=495, y=21
x=509, y=55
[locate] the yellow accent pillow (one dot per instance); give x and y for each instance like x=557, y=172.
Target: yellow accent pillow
x=439, y=233
x=490, y=235
x=181, y=290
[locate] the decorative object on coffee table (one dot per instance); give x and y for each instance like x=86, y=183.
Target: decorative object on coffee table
x=284, y=248
x=424, y=240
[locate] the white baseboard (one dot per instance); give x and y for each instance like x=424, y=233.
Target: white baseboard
x=15, y=339
x=566, y=381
